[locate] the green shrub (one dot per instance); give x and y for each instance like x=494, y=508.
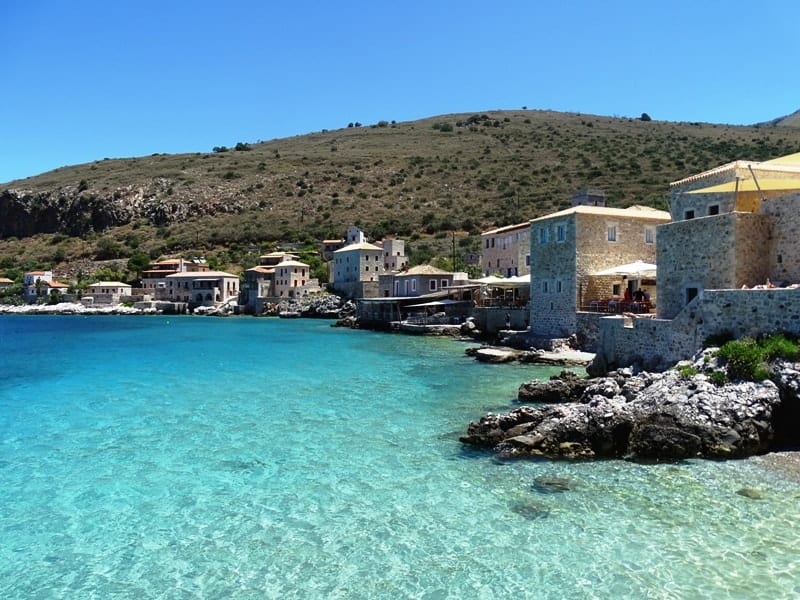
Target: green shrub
x=687, y=371
x=718, y=378
x=746, y=359
x=780, y=346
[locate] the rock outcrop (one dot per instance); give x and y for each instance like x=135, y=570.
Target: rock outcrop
x=651, y=416
x=564, y=387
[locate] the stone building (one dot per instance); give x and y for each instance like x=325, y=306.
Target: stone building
x=506, y=250
x=571, y=249
x=733, y=226
x=729, y=263
x=418, y=281
x=201, y=288
x=356, y=269
x=107, y=292
x=394, y=254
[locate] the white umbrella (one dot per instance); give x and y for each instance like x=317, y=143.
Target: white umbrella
x=634, y=269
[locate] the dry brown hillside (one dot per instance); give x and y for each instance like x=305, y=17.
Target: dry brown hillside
x=421, y=180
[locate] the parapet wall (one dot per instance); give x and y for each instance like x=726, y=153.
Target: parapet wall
x=660, y=343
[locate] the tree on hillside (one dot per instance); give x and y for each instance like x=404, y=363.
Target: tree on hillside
x=137, y=263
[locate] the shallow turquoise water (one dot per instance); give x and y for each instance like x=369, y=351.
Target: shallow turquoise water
x=259, y=458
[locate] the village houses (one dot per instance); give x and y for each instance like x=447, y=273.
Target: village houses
x=40, y=285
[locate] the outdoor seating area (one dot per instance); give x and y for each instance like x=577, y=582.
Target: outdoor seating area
x=617, y=305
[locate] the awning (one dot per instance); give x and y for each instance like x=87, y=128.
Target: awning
x=505, y=282
x=637, y=269
x=445, y=302
x=514, y=282
x=489, y=280
x=765, y=188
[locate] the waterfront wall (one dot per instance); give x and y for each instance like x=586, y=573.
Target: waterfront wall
x=659, y=343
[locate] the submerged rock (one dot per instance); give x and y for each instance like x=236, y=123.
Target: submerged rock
x=751, y=493
x=551, y=485
x=530, y=510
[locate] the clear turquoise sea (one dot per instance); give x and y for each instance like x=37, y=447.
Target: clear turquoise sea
x=191, y=457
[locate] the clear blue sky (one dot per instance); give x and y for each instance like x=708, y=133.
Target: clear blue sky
x=88, y=79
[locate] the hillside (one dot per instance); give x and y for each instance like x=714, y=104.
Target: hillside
x=420, y=180
x=792, y=120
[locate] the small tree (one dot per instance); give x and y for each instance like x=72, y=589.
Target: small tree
x=137, y=263
x=645, y=117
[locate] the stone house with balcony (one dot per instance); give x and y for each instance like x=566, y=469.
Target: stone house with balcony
x=154, y=278
x=201, y=288
x=729, y=262
x=572, y=250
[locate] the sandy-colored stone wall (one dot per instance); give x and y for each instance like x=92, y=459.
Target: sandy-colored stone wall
x=784, y=252
x=721, y=252
x=560, y=272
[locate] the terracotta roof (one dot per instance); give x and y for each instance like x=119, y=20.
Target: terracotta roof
x=201, y=275
x=423, y=270
x=262, y=269
x=6, y=280
x=56, y=284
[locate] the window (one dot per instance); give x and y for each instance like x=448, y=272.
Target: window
x=527, y=260
x=558, y=286
x=691, y=294
x=544, y=287
x=443, y=283
x=611, y=233
x=492, y=242
x=713, y=209
x=487, y=242
x=543, y=235
x=561, y=232
x=413, y=285
x=432, y=285
x=688, y=214
x=649, y=235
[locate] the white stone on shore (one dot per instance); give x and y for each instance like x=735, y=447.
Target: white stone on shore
x=67, y=308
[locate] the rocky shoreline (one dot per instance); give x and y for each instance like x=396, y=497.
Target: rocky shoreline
x=677, y=414
x=68, y=308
